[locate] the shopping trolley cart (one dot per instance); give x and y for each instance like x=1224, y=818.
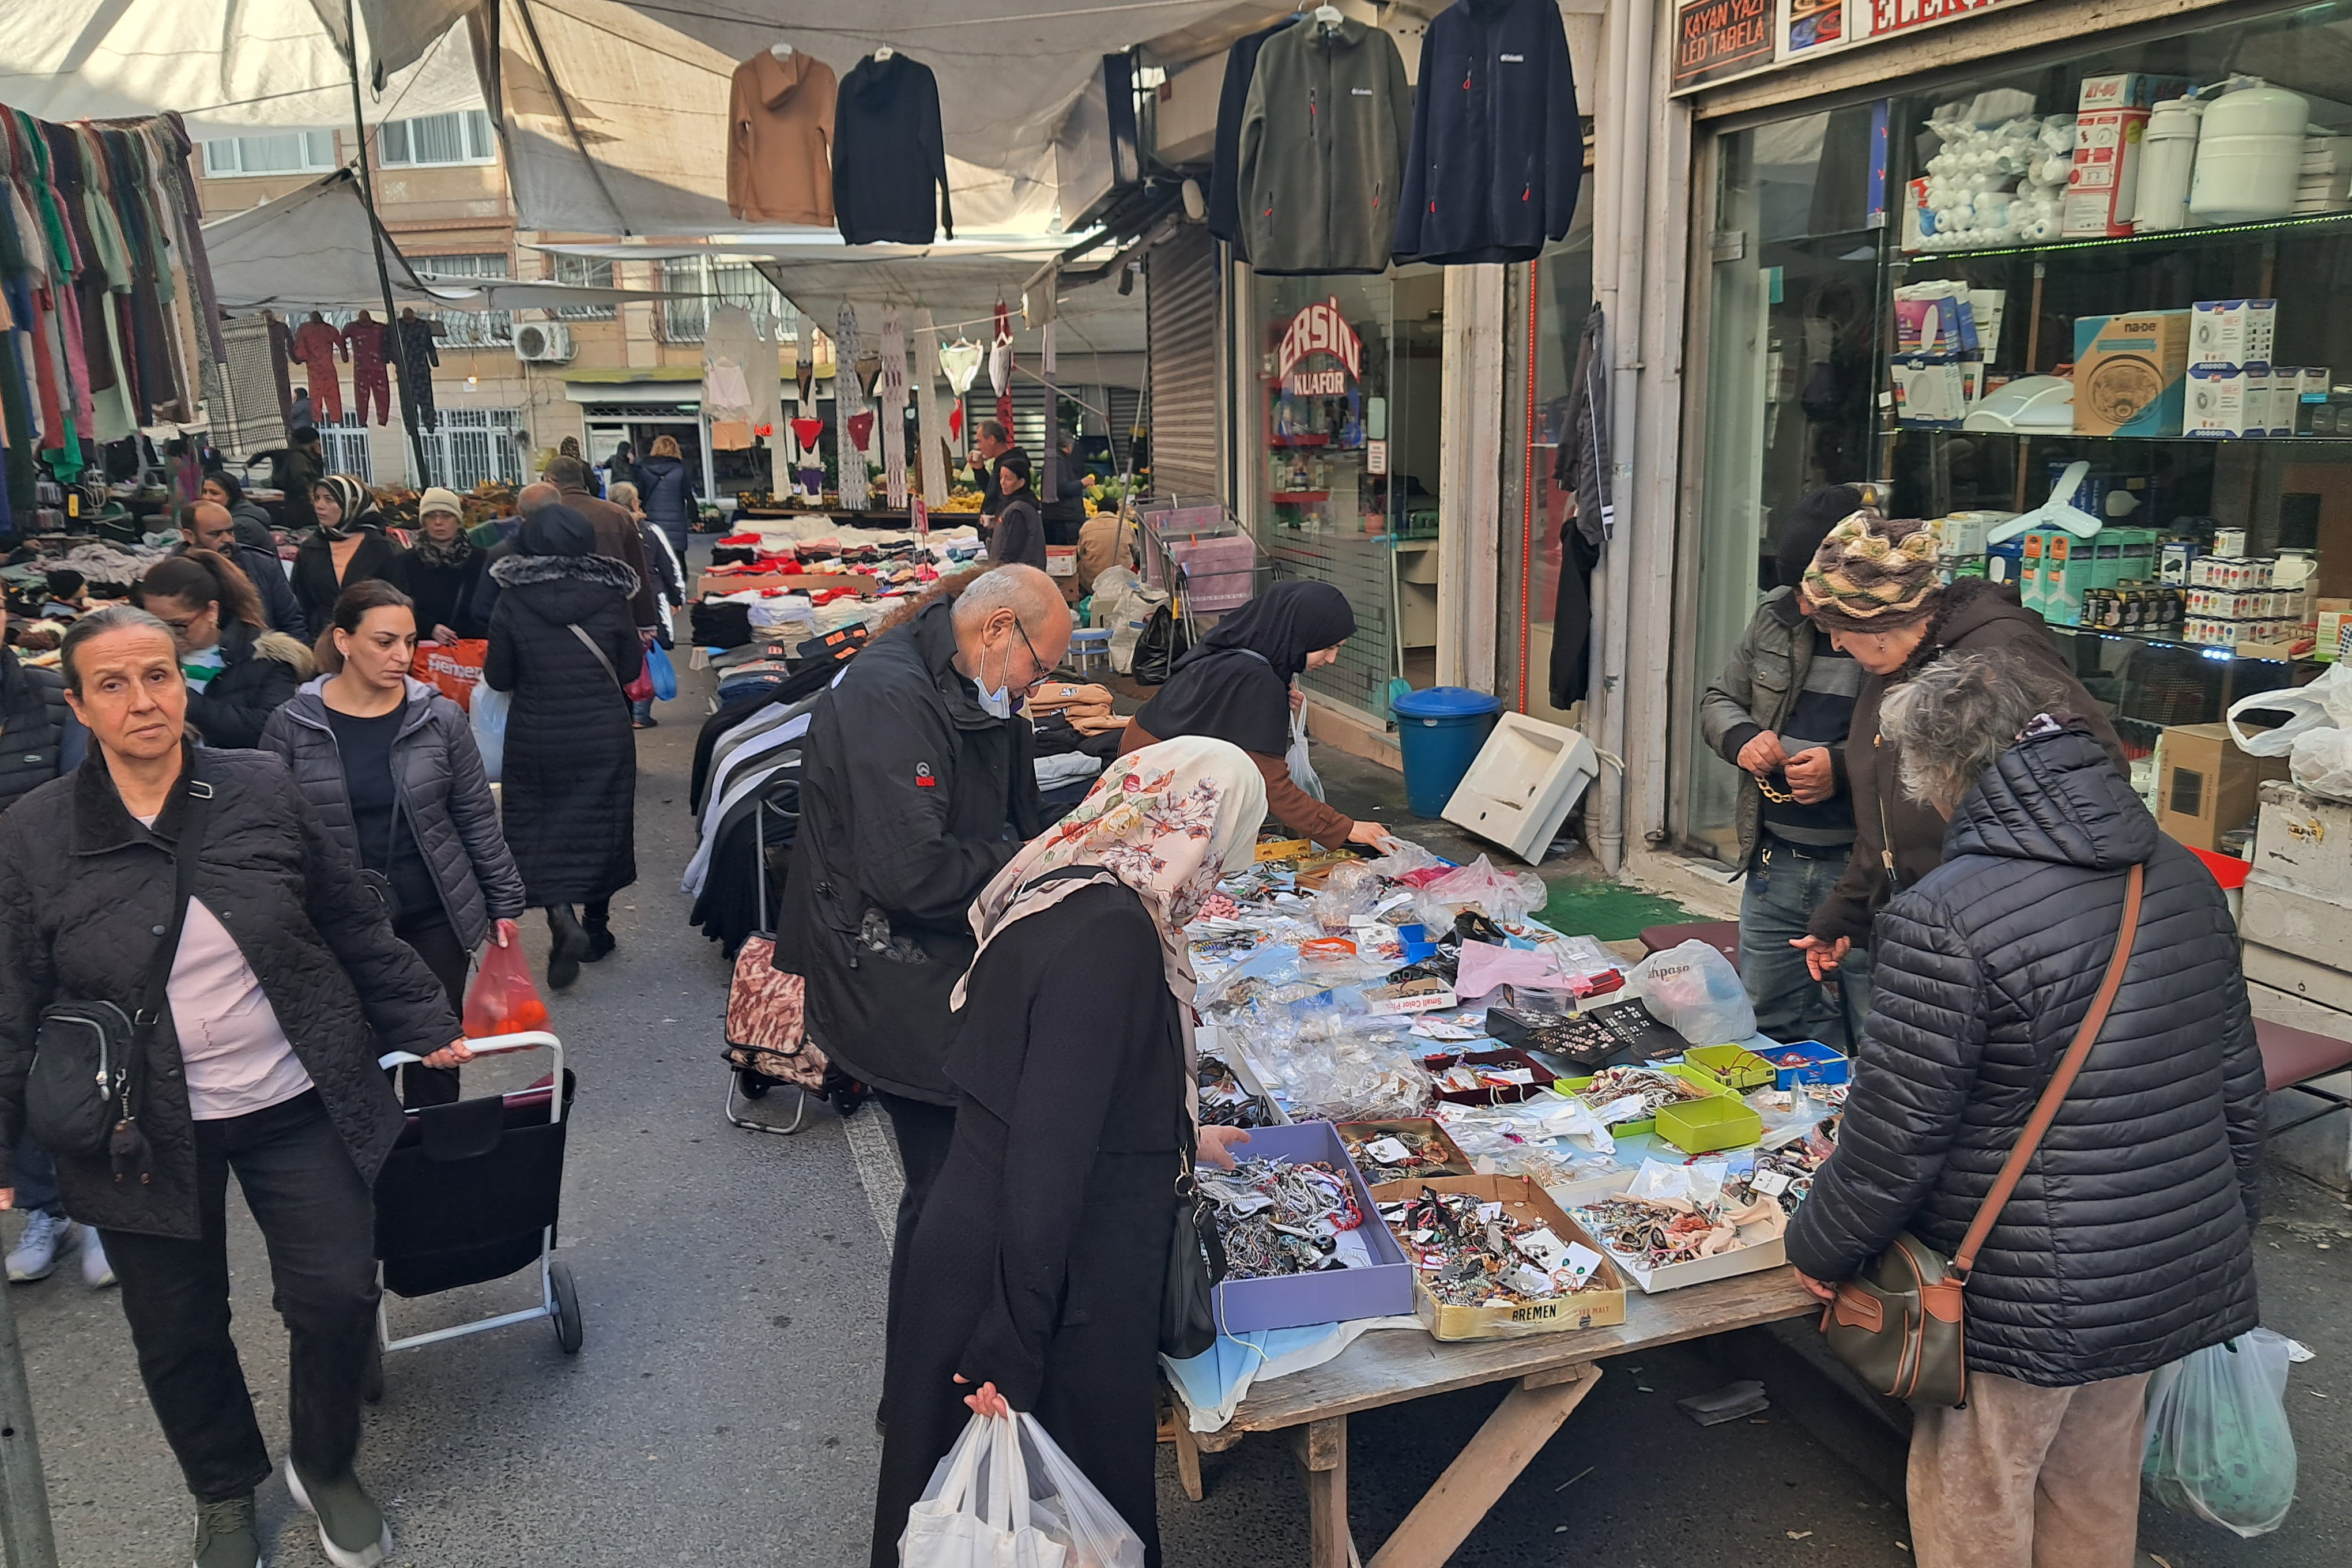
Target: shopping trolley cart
x=469, y=1194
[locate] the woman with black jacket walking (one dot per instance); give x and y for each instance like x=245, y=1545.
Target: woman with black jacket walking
x=2128, y=1244
x=389, y=765
x=237, y=673
x=667, y=491
x=284, y=982
x=350, y=547
x=564, y=642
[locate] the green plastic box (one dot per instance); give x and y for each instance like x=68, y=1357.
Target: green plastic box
x=1703, y=1126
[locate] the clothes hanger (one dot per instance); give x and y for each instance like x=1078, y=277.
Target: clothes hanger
x=782, y=52
x=1329, y=18
x=884, y=53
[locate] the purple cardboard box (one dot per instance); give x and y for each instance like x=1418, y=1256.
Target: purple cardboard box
x=1336, y=1295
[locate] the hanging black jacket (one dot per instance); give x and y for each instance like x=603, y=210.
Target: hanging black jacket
x=34, y=724
x=1498, y=146
x=2128, y=1242
x=912, y=796
x=259, y=671
x=1225, y=168
x=1323, y=150
x=890, y=155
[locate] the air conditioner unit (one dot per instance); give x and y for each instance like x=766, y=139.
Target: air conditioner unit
x=542, y=342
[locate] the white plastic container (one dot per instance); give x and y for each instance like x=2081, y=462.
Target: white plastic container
x=2168, y=159
x=2249, y=154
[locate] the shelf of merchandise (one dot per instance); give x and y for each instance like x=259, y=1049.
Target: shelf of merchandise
x=2340, y=446
x=1299, y=497
x=2314, y=225
x=2149, y=639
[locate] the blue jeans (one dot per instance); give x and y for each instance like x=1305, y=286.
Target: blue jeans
x=642, y=710
x=1783, y=892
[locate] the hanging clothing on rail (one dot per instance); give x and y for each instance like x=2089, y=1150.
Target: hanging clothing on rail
x=418, y=358
x=367, y=342
x=318, y=345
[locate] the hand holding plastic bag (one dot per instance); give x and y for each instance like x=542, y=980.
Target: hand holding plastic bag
x=502, y=1000
x=2217, y=1442
x=1007, y=1496
x=1694, y=991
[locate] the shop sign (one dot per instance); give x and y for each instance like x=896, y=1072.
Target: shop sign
x=1889, y=17
x=1718, y=40
x=1715, y=39
x=1320, y=328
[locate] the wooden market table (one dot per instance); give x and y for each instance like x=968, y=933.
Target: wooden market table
x=1388, y=1366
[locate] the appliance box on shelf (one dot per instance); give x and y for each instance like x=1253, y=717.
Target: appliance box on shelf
x=1332, y=1295
x=2233, y=331
x=2218, y=402
x=1597, y=1308
x=2103, y=185
x=2068, y=567
x=2333, y=615
x=2304, y=841
x=1931, y=391
x=2209, y=786
x=2131, y=374
x=2127, y=90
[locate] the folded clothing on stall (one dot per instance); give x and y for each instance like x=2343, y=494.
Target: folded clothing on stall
x=1056, y=736
x=718, y=623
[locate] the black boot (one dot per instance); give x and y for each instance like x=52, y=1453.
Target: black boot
x=568, y=946
x=596, y=920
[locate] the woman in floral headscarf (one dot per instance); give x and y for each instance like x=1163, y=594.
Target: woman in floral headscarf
x=1042, y=1256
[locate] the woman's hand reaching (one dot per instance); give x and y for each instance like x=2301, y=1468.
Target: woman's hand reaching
x=1216, y=1146
x=506, y=933
x=1371, y=835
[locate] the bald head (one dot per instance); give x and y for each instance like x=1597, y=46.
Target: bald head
x=1011, y=626
x=532, y=497
x=204, y=525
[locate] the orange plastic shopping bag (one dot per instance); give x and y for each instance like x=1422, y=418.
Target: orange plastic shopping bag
x=502, y=1000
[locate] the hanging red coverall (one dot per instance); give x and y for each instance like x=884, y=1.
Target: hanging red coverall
x=316, y=344
x=371, y=357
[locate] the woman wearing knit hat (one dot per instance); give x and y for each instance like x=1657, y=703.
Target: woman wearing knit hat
x=1874, y=586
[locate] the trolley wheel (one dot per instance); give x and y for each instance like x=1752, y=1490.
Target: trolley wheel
x=371, y=1379
x=569, y=1330
x=751, y=1085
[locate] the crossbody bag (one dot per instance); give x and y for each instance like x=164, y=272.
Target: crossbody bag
x=1899, y=1322
x=88, y=1082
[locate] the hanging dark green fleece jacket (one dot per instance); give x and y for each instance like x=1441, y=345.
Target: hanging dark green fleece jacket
x=1324, y=140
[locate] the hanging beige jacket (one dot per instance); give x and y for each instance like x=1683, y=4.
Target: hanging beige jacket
x=780, y=139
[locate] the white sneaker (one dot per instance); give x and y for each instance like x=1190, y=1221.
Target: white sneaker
x=35, y=1254
x=96, y=1271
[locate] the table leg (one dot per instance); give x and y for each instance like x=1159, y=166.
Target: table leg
x=1485, y=1468
x=1187, y=1459
x=1322, y=1448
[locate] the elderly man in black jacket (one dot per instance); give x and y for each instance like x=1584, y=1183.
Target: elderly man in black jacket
x=917, y=788
x=2126, y=1244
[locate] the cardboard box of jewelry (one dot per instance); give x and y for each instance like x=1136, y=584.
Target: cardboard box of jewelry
x=1599, y=1304
x=1384, y=1289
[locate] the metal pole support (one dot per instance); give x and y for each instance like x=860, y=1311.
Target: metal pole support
x=24, y=1489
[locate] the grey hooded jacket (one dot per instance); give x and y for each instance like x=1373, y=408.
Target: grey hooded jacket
x=1324, y=138
x=444, y=798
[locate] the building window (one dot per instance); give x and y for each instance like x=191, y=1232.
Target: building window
x=589, y=272
x=474, y=447
x=460, y=136
x=294, y=152
x=469, y=329
x=729, y=283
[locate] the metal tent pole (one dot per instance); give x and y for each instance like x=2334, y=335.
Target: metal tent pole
x=391, y=342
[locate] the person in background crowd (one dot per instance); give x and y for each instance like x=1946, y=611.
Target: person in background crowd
x=919, y=788
x=991, y=443
x=1239, y=685
x=620, y=469
x=207, y=525
x=238, y=673
x=667, y=491
x=294, y=470
x=256, y=529
x=388, y=763
x=669, y=580
x=1876, y=589
x=267, y=1068
x=2128, y=1244
x=442, y=572
x=564, y=642
x=527, y=500
x=1099, y=550
x=299, y=412
x=350, y=547
x=45, y=741
x=1779, y=712
x=1020, y=538
x=1041, y=1259
x=617, y=535
x=1064, y=513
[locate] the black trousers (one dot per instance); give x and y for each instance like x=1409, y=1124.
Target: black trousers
x=436, y=941
x=319, y=1223
x=924, y=1132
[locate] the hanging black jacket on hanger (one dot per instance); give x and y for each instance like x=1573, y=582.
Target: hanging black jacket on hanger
x=890, y=155
x=1226, y=160
x=1498, y=146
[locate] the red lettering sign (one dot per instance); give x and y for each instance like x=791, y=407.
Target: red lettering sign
x=1320, y=329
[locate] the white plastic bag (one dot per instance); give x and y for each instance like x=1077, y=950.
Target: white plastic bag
x=2321, y=762
x=487, y=709
x=2219, y=1446
x=1007, y=1496
x=1694, y=991
x=2326, y=703
x=1302, y=765
x=1501, y=896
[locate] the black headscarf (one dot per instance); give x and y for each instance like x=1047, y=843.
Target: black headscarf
x=1235, y=685
x=556, y=530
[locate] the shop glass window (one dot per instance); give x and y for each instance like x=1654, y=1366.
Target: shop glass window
x=294, y=152
x=460, y=136
x=588, y=271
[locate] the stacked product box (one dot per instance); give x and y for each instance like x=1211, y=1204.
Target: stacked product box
x=2240, y=603
x=2110, y=125
x=2233, y=387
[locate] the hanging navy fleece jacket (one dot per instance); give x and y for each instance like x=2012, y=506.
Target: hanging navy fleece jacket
x=1498, y=146
x=890, y=155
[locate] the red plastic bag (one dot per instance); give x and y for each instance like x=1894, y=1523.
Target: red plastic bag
x=454, y=667
x=502, y=1000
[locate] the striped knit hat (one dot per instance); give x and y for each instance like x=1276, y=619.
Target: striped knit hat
x=1873, y=575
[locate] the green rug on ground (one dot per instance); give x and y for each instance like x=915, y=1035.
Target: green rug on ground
x=1610, y=911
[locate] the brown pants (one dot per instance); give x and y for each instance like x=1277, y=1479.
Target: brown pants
x=2028, y=1476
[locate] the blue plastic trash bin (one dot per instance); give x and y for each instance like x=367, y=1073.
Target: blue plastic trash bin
x=1440, y=731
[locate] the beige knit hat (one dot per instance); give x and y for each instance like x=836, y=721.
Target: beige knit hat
x=440, y=500
x=1873, y=575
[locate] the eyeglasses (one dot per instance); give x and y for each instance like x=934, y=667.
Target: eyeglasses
x=181, y=625
x=1035, y=663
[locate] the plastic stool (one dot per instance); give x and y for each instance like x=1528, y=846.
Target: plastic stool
x=1090, y=653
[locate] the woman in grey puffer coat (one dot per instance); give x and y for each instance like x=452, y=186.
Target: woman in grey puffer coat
x=390, y=766
x=2128, y=1244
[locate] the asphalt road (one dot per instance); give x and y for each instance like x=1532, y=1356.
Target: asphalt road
x=732, y=1285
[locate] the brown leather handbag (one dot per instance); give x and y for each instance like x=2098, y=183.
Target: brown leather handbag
x=1898, y=1322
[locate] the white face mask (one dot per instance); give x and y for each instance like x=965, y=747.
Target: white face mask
x=999, y=702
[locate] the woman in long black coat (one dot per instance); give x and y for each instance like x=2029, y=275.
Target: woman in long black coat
x=563, y=641
x=1042, y=1256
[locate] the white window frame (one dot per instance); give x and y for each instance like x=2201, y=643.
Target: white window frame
x=395, y=141
x=343, y=447
x=469, y=329
x=724, y=282
x=591, y=272
x=469, y=446
x=224, y=159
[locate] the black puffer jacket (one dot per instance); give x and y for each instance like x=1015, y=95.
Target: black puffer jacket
x=911, y=798
x=2128, y=1244
x=83, y=889
x=259, y=671
x=34, y=723
x=313, y=576
x=444, y=800
x=570, y=770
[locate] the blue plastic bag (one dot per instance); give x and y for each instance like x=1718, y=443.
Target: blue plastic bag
x=665, y=675
x=487, y=711
x=2218, y=1444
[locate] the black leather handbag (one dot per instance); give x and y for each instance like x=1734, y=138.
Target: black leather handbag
x=89, y=1058
x=1196, y=1255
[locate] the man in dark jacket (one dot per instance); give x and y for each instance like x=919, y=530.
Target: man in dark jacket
x=1875, y=588
x=1064, y=511
x=617, y=538
x=2128, y=1244
x=1020, y=536
x=204, y=526
x=918, y=787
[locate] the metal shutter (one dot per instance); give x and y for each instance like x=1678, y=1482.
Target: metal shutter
x=1181, y=316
